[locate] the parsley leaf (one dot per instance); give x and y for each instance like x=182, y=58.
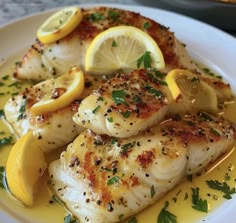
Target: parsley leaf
x=114, y=44
x=146, y=25
x=96, y=109
x=223, y=187
x=133, y=220
x=2, y=177
x=152, y=192
x=22, y=110
x=198, y=203
x=70, y=219
x=5, y=141
x=145, y=59
x=1, y=114
x=118, y=97
x=114, y=15
x=165, y=216
x=113, y=180
x=95, y=17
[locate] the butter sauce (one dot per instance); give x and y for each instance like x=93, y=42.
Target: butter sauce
x=180, y=202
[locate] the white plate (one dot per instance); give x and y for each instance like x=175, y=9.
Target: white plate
x=207, y=44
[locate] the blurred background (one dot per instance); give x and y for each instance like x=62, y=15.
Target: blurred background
x=215, y=12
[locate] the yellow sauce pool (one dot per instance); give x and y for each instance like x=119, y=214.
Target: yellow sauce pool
x=180, y=203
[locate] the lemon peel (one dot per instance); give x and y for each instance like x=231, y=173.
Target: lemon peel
x=25, y=166
x=119, y=48
x=186, y=85
x=59, y=25
x=57, y=93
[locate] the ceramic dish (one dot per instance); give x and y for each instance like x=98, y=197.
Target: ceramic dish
x=207, y=44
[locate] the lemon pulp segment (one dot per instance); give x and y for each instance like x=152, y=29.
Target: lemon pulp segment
x=119, y=48
x=188, y=86
x=25, y=166
x=59, y=25
x=57, y=93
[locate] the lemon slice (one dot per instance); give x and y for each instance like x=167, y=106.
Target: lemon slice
x=25, y=166
x=119, y=48
x=186, y=85
x=59, y=25
x=57, y=93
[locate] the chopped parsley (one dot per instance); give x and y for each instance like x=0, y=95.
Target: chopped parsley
x=152, y=191
x=110, y=119
x=1, y=113
x=214, y=132
x=57, y=200
x=96, y=109
x=2, y=177
x=113, y=180
x=205, y=116
x=198, y=203
x=126, y=147
x=95, y=17
x=22, y=110
x=165, y=216
x=70, y=219
x=118, y=97
x=153, y=91
x=6, y=77
x=133, y=220
x=126, y=114
x=136, y=99
x=145, y=59
x=223, y=187
x=114, y=44
x=114, y=15
x=146, y=25
x=113, y=141
x=6, y=141
x=210, y=73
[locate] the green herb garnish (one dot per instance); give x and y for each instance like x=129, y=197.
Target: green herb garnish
x=113, y=180
x=214, y=132
x=133, y=220
x=95, y=17
x=146, y=25
x=2, y=177
x=1, y=113
x=118, y=97
x=70, y=219
x=165, y=216
x=145, y=59
x=22, y=110
x=114, y=15
x=152, y=191
x=126, y=114
x=114, y=44
x=6, y=141
x=223, y=187
x=198, y=203
x=96, y=109
x=110, y=119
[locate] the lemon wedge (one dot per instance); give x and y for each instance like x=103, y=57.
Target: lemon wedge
x=57, y=93
x=25, y=166
x=187, y=85
x=59, y=25
x=119, y=48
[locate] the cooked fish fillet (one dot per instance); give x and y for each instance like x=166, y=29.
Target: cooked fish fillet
x=105, y=179
x=129, y=103
x=53, y=130
x=126, y=104
x=44, y=61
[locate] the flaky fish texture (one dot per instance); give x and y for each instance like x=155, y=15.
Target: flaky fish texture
x=129, y=103
x=45, y=61
x=53, y=130
x=125, y=104
x=106, y=179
